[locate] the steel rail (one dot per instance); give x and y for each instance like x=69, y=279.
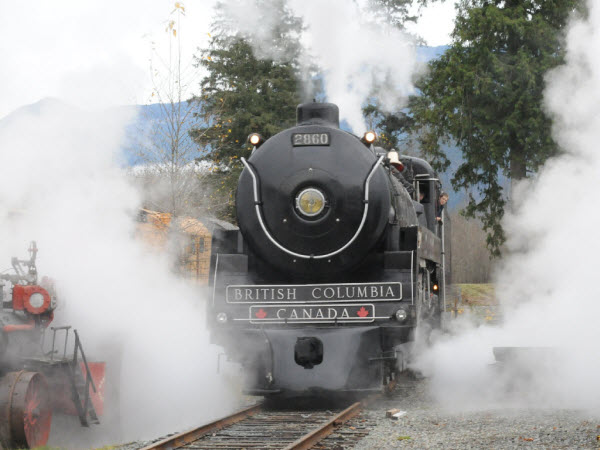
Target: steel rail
x=195, y=438
x=187, y=437
x=309, y=440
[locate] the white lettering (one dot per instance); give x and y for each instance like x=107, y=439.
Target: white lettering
x=329, y=315
x=308, y=293
x=294, y=314
x=345, y=313
x=279, y=315
x=307, y=313
x=319, y=314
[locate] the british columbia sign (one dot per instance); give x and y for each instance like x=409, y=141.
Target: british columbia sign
x=307, y=293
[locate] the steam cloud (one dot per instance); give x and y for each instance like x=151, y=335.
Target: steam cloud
x=357, y=58
x=60, y=185
x=548, y=282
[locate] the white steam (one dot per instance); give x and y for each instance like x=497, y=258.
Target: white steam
x=548, y=283
x=59, y=185
x=357, y=59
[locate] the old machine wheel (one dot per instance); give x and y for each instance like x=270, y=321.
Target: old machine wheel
x=25, y=414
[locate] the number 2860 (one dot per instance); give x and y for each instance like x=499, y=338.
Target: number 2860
x=304, y=139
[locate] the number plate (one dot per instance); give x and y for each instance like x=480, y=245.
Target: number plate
x=310, y=139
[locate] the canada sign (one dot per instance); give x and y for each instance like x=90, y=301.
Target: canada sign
x=347, y=313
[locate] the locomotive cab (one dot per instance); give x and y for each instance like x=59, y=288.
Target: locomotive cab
x=330, y=270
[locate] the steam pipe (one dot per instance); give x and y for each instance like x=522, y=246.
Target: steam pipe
x=22, y=327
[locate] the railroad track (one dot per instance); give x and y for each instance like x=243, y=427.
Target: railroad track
x=259, y=427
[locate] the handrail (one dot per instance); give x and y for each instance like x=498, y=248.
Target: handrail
x=72, y=368
x=258, y=204
x=88, y=407
x=88, y=372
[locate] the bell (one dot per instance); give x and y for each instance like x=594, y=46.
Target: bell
x=394, y=161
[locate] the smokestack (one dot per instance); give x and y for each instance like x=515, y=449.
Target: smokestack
x=326, y=114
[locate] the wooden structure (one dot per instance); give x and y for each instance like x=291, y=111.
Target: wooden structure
x=188, y=238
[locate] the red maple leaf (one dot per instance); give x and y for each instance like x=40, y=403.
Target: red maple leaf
x=261, y=314
x=362, y=312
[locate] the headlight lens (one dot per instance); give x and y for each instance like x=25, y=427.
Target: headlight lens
x=36, y=300
x=255, y=139
x=221, y=317
x=401, y=315
x=370, y=137
x=310, y=202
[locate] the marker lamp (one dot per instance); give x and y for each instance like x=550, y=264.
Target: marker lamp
x=221, y=318
x=255, y=139
x=370, y=137
x=401, y=315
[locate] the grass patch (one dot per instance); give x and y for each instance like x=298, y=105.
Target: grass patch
x=478, y=294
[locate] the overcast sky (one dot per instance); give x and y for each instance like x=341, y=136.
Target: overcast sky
x=60, y=48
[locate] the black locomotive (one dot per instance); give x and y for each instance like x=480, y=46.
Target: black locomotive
x=334, y=263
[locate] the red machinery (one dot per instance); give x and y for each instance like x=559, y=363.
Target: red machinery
x=36, y=378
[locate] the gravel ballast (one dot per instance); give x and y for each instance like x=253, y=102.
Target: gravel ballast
x=426, y=425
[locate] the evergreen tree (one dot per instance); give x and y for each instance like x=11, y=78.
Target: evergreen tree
x=394, y=12
x=392, y=126
x=485, y=96
x=243, y=94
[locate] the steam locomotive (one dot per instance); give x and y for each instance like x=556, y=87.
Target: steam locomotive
x=334, y=265
x=40, y=371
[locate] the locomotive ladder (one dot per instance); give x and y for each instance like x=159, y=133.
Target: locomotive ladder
x=80, y=385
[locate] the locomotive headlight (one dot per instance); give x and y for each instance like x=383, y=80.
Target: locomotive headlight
x=221, y=318
x=310, y=202
x=255, y=139
x=401, y=315
x=370, y=137
x=36, y=300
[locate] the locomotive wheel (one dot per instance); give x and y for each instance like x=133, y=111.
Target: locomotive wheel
x=24, y=410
